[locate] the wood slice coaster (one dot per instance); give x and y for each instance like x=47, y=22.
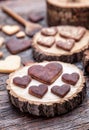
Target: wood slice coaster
x=72, y=12
x=30, y=94
x=86, y=61
x=61, y=43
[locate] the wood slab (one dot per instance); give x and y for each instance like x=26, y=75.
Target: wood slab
x=10, y=117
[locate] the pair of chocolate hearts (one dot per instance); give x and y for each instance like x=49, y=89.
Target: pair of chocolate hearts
x=40, y=91
x=46, y=74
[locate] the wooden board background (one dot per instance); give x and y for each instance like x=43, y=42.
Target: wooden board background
x=10, y=117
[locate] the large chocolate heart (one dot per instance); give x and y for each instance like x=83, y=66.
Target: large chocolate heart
x=70, y=78
x=61, y=91
x=46, y=74
x=73, y=32
x=17, y=45
x=38, y=91
x=22, y=81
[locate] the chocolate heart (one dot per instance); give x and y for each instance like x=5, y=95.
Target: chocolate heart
x=70, y=78
x=49, y=31
x=38, y=91
x=75, y=33
x=66, y=44
x=61, y=91
x=46, y=74
x=36, y=16
x=22, y=81
x=46, y=41
x=17, y=45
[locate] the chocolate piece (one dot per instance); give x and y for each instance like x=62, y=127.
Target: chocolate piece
x=46, y=41
x=72, y=32
x=46, y=74
x=65, y=44
x=70, y=78
x=86, y=61
x=17, y=45
x=49, y=31
x=36, y=16
x=61, y=91
x=22, y=81
x=38, y=91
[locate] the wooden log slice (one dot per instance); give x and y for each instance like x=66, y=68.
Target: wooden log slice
x=53, y=53
x=50, y=104
x=86, y=62
x=68, y=12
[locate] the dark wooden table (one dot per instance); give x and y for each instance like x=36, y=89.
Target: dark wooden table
x=10, y=117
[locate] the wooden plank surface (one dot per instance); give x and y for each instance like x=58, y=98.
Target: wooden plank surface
x=10, y=117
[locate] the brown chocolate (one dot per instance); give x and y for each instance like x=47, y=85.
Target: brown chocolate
x=36, y=16
x=22, y=81
x=72, y=32
x=46, y=74
x=66, y=44
x=70, y=78
x=38, y=91
x=46, y=41
x=17, y=45
x=61, y=91
x=52, y=31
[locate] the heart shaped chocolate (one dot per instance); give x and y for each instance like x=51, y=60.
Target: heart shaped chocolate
x=70, y=78
x=49, y=31
x=46, y=74
x=46, y=41
x=72, y=32
x=22, y=81
x=15, y=45
x=38, y=91
x=61, y=91
x=65, y=44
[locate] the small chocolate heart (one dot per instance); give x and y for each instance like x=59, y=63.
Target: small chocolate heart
x=49, y=31
x=22, y=81
x=46, y=74
x=61, y=91
x=38, y=91
x=65, y=45
x=46, y=41
x=70, y=78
